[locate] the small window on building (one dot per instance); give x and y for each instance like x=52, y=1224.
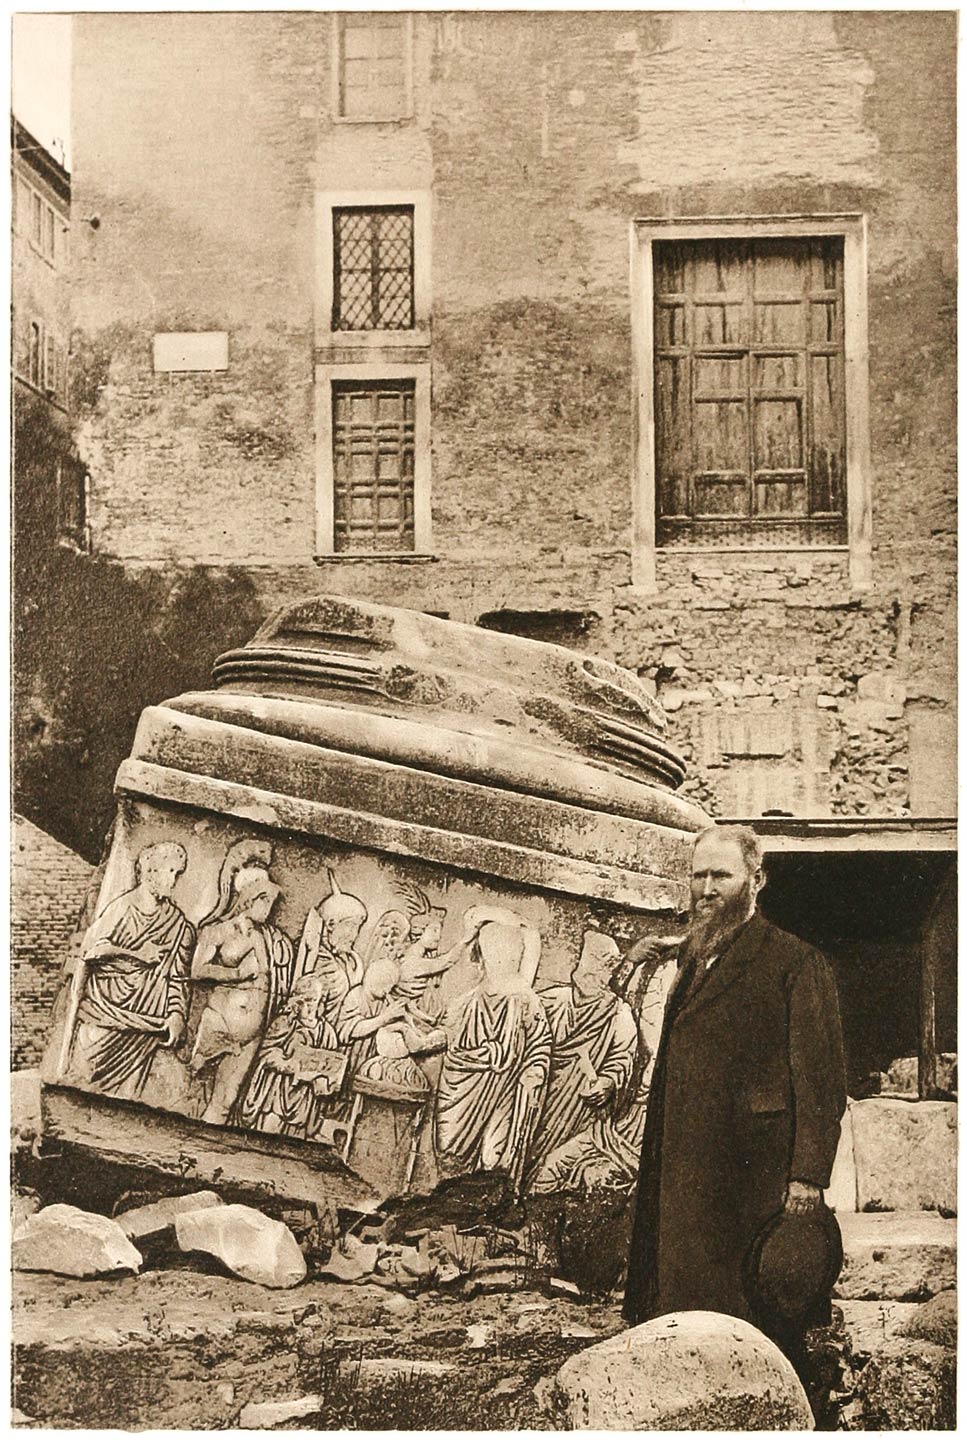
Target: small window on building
x=49, y=226
x=35, y=357
x=373, y=268
x=373, y=65
x=23, y=200
x=73, y=484
x=373, y=429
x=49, y=377
x=36, y=219
x=750, y=411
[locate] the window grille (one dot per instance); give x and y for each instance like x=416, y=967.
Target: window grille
x=373, y=465
x=373, y=65
x=750, y=425
x=373, y=264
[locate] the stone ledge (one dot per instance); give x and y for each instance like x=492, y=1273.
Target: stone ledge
x=890, y=1256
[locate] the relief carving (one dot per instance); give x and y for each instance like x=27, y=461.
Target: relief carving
x=486, y=1054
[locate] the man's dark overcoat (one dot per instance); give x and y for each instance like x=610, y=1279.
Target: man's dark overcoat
x=747, y=1093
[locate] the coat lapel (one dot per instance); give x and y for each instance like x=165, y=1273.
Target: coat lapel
x=728, y=968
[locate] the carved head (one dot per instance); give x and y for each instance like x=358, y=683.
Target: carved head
x=389, y=937
x=255, y=893
x=158, y=867
x=343, y=916
x=305, y=996
x=501, y=949
x=596, y=962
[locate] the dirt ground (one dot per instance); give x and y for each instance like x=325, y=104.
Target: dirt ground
x=178, y=1349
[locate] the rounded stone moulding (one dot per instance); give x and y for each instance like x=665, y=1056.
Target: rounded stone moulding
x=358, y=891
x=500, y=743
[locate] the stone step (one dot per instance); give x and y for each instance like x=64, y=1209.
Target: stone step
x=896, y=1255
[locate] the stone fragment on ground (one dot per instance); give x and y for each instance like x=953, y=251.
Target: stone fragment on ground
x=902, y=1077
x=935, y=1321
x=63, y=1240
x=351, y=1260
x=905, y=1152
x=690, y=1371
x=887, y=1256
x=268, y=1414
x=907, y=1385
x=245, y=1241
x=149, y=1222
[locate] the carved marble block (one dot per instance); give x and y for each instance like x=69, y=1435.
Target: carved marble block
x=374, y=891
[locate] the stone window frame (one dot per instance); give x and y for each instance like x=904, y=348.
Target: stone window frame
x=407, y=110
x=421, y=203
x=374, y=371
x=852, y=229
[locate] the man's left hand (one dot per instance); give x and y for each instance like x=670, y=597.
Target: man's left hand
x=801, y=1197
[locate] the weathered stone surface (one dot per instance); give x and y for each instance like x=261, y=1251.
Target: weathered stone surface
x=871, y=1324
x=66, y=1241
x=905, y=1154
x=902, y=1078
x=841, y=1194
x=147, y=1222
x=246, y=1242
x=351, y=1260
x=909, y=1385
x=691, y=1371
x=896, y=1257
x=25, y=1109
x=935, y=1321
x=267, y=1414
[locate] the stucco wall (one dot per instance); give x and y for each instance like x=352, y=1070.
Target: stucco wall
x=200, y=141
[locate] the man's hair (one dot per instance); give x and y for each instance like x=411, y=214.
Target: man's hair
x=165, y=853
x=746, y=839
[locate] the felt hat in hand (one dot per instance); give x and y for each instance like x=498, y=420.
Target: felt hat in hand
x=793, y=1264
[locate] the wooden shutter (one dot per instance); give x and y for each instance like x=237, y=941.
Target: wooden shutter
x=373, y=465
x=749, y=386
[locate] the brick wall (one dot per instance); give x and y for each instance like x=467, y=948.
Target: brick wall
x=204, y=174
x=48, y=888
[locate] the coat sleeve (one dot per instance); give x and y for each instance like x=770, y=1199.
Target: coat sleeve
x=817, y=1070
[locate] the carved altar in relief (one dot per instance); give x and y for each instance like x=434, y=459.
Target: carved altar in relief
x=373, y=893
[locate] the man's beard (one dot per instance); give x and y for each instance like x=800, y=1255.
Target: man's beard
x=713, y=927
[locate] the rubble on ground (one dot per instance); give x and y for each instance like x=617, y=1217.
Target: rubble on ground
x=151, y=1222
x=245, y=1241
x=62, y=1240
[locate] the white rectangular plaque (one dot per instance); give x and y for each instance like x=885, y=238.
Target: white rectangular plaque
x=191, y=350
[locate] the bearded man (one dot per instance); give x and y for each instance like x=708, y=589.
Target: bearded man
x=747, y=1094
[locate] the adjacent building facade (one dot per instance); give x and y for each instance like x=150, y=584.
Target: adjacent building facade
x=629, y=330
x=49, y=485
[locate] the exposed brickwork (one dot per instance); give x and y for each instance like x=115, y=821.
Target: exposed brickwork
x=204, y=174
x=48, y=888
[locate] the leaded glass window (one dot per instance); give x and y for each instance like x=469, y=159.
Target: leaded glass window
x=373, y=263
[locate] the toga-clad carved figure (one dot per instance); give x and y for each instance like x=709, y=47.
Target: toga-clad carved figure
x=135, y=998
x=595, y=1047
x=494, y=1074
